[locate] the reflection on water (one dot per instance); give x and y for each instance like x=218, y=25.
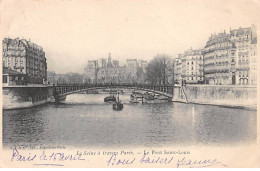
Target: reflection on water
x=85, y=120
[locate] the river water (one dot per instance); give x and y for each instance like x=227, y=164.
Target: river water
x=86, y=121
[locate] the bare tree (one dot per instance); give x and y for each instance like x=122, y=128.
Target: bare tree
x=160, y=70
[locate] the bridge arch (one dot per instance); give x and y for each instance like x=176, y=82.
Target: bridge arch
x=61, y=91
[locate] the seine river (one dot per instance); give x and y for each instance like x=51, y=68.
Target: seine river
x=86, y=121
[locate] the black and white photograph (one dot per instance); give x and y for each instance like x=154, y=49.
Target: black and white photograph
x=121, y=83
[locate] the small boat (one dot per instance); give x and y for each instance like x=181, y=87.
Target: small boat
x=112, y=92
x=132, y=96
x=138, y=98
x=149, y=96
x=118, y=105
x=156, y=96
x=161, y=97
x=115, y=91
x=110, y=98
x=91, y=92
x=136, y=92
x=134, y=101
x=121, y=92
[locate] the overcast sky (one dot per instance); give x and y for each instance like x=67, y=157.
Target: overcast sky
x=73, y=32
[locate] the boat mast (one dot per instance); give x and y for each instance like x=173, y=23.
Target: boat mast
x=117, y=97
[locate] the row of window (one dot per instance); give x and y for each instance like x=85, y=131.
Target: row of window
x=195, y=78
x=220, y=39
x=240, y=37
x=194, y=58
x=241, y=46
x=116, y=77
x=243, y=74
x=243, y=81
x=223, y=63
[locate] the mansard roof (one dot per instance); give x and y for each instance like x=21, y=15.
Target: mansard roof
x=240, y=31
x=219, y=38
x=24, y=42
x=7, y=41
x=192, y=52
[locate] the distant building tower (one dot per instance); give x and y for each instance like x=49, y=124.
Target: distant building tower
x=115, y=63
x=103, y=62
x=111, y=72
x=90, y=73
x=142, y=64
x=109, y=62
x=132, y=66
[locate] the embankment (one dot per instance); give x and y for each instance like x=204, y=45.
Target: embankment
x=224, y=95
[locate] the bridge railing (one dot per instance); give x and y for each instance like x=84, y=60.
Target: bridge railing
x=118, y=84
x=65, y=88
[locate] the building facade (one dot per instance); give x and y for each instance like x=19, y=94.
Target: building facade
x=219, y=60
x=90, y=72
x=109, y=72
x=253, y=62
x=188, y=67
x=142, y=64
x=245, y=40
x=25, y=57
x=231, y=58
x=178, y=68
x=67, y=78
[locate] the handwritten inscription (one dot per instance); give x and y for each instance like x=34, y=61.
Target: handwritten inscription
x=17, y=156
x=155, y=160
x=115, y=159
x=198, y=163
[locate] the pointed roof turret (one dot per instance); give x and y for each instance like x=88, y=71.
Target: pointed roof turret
x=109, y=62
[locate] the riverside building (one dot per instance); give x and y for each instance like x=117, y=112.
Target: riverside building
x=231, y=58
x=188, y=67
x=25, y=58
x=219, y=60
x=109, y=71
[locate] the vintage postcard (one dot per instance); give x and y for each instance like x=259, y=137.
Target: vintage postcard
x=130, y=83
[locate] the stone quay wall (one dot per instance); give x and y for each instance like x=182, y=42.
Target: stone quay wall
x=226, y=95
x=26, y=96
